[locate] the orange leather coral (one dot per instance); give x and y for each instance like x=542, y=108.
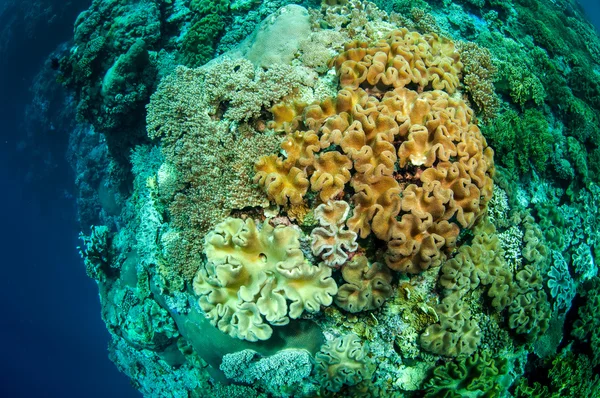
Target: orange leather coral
x=418, y=167
x=281, y=180
x=332, y=172
x=403, y=57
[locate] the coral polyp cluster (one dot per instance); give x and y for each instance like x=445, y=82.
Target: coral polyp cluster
x=418, y=166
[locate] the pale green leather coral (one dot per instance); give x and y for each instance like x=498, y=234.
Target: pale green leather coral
x=367, y=285
x=456, y=333
x=253, y=278
x=343, y=361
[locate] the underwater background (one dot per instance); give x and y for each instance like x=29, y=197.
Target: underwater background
x=55, y=167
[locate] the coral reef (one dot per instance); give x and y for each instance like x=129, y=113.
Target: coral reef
x=341, y=198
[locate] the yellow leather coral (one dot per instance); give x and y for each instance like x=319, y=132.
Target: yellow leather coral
x=253, y=278
x=281, y=179
x=418, y=167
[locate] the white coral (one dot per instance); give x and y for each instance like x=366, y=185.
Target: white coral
x=332, y=241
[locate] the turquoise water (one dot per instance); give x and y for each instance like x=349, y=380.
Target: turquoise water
x=301, y=199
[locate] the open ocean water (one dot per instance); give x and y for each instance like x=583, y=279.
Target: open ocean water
x=54, y=341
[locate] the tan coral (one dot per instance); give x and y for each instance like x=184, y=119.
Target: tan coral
x=418, y=244
x=253, y=278
x=377, y=202
x=367, y=285
x=343, y=361
x=286, y=115
x=300, y=147
x=332, y=241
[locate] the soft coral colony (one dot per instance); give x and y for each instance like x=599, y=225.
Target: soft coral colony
x=317, y=212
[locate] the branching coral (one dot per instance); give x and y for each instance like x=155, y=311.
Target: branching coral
x=343, y=361
x=332, y=241
x=479, y=72
x=251, y=275
x=286, y=373
x=95, y=252
x=367, y=285
x=198, y=116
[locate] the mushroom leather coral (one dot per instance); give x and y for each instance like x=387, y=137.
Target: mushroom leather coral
x=456, y=333
x=253, y=278
x=419, y=168
x=367, y=287
x=342, y=361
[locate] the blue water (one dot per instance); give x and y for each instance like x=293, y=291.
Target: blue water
x=592, y=8
x=53, y=339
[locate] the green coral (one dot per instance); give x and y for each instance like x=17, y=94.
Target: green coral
x=96, y=252
x=343, y=361
x=587, y=326
x=560, y=283
x=198, y=46
x=211, y=18
x=571, y=376
x=479, y=375
x=521, y=140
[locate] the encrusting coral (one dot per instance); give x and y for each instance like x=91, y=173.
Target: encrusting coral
x=421, y=167
x=253, y=278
